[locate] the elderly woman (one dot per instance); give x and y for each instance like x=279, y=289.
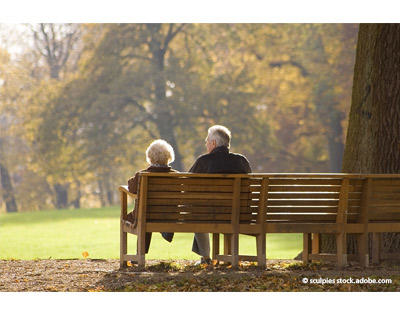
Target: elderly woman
x=159, y=155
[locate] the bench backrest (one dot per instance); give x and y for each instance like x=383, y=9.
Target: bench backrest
x=212, y=199
x=273, y=198
x=312, y=199
x=384, y=203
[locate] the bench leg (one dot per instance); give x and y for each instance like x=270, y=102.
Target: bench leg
x=315, y=243
x=306, y=248
x=341, y=250
x=123, y=246
x=141, y=251
x=376, y=247
x=235, y=250
x=362, y=245
x=261, y=251
x=123, y=236
x=215, y=246
x=227, y=244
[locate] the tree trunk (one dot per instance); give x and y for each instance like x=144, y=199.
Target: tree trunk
x=61, y=195
x=163, y=116
x=8, y=192
x=373, y=137
x=101, y=193
x=110, y=191
x=77, y=201
x=166, y=131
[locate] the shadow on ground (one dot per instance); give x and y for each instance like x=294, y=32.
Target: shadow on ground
x=280, y=275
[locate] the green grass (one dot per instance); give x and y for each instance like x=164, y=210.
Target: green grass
x=65, y=234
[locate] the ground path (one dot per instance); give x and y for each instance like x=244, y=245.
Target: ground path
x=183, y=275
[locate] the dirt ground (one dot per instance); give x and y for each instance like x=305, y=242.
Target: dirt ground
x=105, y=275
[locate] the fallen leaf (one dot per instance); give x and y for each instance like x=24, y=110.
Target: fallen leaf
x=85, y=254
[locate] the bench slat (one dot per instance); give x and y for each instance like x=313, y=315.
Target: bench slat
x=297, y=209
x=200, y=195
x=282, y=202
x=292, y=188
x=310, y=202
x=306, y=181
x=199, y=202
x=386, y=188
x=199, y=209
x=302, y=218
x=193, y=188
x=386, y=182
x=191, y=195
x=201, y=181
x=395, y=216
x=303, y=195
x=385, y=196
x=189, y=181
x=190, y=216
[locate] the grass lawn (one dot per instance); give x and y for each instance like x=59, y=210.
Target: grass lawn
x=66, y=234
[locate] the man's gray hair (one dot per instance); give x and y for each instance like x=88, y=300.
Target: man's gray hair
x=220, y=134
x=160, y=153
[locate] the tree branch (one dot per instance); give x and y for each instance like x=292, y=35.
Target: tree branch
x=279, y=64
x=141, y=108
x=171, y=34
x=137, y=56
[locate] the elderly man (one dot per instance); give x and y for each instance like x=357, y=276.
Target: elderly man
x=218, y=160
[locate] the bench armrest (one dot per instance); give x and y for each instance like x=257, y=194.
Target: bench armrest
x=124, y=188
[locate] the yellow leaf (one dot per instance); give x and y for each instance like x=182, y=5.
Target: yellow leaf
x=85, y=254
x=129, y=263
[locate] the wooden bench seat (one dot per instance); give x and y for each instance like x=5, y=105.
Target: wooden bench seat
x=257, y=204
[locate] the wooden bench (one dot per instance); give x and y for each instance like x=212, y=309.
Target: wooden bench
x=257, y=204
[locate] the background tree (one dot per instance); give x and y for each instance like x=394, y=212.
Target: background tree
x=7, y=141
x=56, y=45
x=322, y=56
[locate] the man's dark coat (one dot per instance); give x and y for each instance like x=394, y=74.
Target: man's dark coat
x=219, y=160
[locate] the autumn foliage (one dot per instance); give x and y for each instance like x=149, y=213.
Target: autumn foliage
x=79, y=107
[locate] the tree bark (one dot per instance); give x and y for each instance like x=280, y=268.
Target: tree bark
x=8, y=193
x=373, y=137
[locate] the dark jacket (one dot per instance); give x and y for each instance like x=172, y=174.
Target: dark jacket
x=220, y=160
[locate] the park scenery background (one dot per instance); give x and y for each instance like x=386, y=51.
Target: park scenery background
x=80, y=103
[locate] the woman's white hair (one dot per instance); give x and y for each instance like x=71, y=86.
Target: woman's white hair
x=220, y=134
x=160, y=152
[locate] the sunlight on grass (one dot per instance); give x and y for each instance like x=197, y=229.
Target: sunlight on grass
x=66, y=234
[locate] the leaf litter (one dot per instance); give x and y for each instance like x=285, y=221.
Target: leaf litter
x=92, y=275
